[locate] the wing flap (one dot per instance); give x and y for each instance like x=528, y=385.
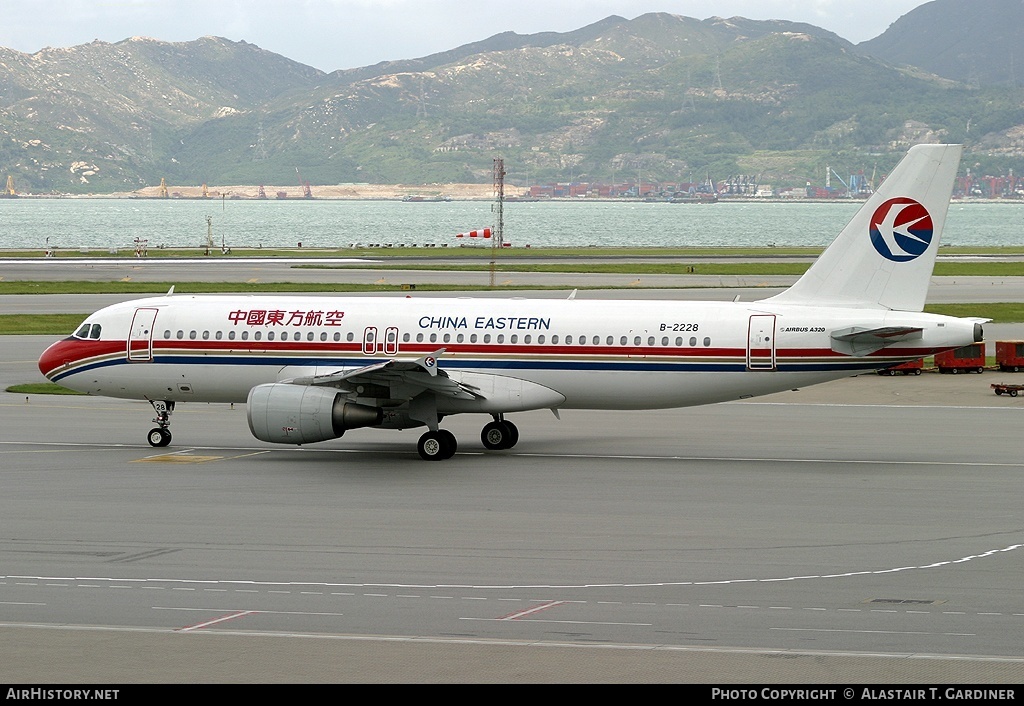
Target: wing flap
x=412, y=376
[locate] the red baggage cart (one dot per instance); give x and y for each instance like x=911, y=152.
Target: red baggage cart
x=962, y=360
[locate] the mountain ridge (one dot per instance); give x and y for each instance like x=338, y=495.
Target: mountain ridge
x=659, y=97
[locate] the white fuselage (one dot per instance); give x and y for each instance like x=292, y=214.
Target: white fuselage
x=590, y=354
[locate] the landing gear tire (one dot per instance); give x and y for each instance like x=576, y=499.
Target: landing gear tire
x=159, y=437
x=437, y=445
x=499, y=435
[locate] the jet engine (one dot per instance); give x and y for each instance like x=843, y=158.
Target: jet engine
x=300, y=414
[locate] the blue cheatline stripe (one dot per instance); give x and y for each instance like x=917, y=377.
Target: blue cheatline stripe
x=638, y=365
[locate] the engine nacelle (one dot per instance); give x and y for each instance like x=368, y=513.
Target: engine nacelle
x=301, y=414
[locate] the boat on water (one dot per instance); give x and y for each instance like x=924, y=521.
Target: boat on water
x=693, y=197
x=417, y=198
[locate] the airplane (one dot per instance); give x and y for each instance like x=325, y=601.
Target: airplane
x=310, y=368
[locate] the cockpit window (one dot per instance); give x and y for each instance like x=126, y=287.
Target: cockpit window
x=82, y=332
x=95, y=333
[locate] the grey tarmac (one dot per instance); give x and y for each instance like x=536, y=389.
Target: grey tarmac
x=862, y=531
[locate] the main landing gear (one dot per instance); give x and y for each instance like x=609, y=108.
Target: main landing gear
x=441, y=444
x=437, y=445
x=499, y=434
x=161, y=435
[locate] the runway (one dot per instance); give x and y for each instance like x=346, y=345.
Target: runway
x=862, y=531
x=749, y=287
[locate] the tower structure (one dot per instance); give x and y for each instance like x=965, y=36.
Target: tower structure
x=498, y=240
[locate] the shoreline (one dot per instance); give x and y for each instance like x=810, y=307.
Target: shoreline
x=426, y=194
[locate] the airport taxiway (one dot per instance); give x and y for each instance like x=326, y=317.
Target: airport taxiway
x=862, y=531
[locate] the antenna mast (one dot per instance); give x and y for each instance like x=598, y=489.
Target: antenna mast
x=498, y=240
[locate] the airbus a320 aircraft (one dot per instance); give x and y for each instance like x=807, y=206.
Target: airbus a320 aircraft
x=311, y=368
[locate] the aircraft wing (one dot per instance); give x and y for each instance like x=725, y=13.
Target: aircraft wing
x=406, y=377
x=859, y=340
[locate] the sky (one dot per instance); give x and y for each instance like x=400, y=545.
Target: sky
x=344, y=34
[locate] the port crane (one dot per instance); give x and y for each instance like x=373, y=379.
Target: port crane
x=306, y=192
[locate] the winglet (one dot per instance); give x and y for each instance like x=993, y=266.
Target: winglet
x=429, y=361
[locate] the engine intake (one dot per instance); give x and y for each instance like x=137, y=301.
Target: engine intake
x=299, y=414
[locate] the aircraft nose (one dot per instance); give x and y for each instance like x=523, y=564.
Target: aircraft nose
x=54, y=357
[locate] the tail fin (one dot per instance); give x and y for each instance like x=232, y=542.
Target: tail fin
x=883, y=258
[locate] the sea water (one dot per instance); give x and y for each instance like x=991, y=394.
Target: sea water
x=110, y=223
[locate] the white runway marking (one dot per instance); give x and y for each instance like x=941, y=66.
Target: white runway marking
x=280, y=586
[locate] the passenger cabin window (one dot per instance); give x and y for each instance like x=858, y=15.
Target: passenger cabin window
x=231, y=335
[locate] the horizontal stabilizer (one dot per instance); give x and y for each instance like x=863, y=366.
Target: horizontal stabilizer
x=859, y=341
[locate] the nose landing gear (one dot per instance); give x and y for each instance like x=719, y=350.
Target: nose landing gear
x=160, y=435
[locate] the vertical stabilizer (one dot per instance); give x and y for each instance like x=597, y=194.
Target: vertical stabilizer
x=883, y=258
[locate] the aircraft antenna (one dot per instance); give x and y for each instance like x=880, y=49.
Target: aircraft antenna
x=498, y=241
